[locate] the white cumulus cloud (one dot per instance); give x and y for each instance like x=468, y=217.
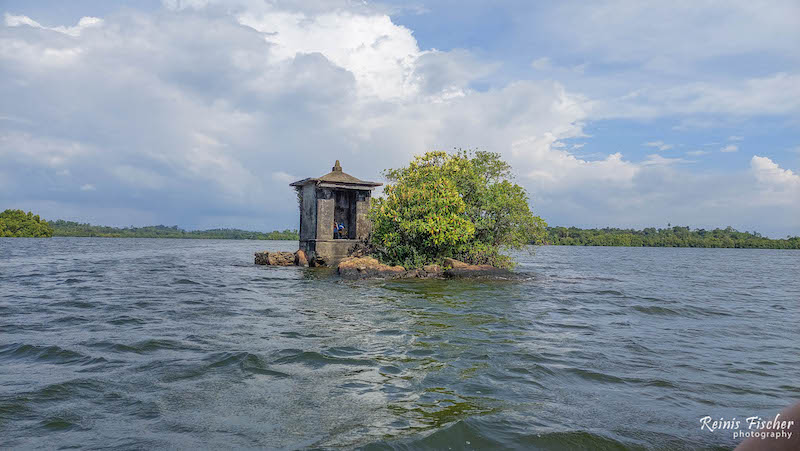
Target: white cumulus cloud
x=200, y=114
x=660, y=145
x=85, y=22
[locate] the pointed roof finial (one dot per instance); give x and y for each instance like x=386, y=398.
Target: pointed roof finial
x=336, y=167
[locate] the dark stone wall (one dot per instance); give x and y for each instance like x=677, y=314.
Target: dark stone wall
x=363, y=224
x=308, y=213
x=334, y=250
x=325, y=209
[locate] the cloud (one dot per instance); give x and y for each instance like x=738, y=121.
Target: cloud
x=200, y=114
x=283, y=177
x=379, y=54
x=545, y=64
x=659, y=144
x=645, y=61
x=23, y=147
x=661, y=34
x=777, y=94
x=735, y=138
x=730, y=148
x=215, y=121
x=778, y=186
x=136, y=177
x=658, y=160
x=83, y=23
x=542, y=63
x=697, y=153
x=88, y=187
x=768, y=172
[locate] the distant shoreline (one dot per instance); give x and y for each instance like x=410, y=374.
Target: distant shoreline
x=74, y=229
x=16, y=223
x=166, y=238
x=287, y=239
x=677, y=236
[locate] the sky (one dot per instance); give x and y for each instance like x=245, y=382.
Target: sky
x=199, y=113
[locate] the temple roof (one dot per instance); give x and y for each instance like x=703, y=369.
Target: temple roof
x=338, y=179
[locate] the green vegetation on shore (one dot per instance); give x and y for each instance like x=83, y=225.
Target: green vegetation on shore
x=69, y=228
x=17, y=223
x=669, y=237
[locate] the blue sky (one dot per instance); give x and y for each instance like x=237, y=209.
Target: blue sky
x=200, y=112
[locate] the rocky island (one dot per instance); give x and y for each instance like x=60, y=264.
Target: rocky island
x=366, y=267
x=445, y=215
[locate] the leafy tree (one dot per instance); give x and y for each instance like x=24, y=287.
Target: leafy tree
x=461, y=205
x=17, y=223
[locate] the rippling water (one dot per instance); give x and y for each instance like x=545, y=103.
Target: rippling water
x=138, y=343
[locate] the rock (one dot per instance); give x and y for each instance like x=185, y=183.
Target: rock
x=368, y=268
x=317, y=261
x=371, y=268
x=274, y=258
x=458, y=270
x=431, y=272
x=453, y=263
x=281, y=258
x=300, y=258
x=261, y=258
x=358, y=250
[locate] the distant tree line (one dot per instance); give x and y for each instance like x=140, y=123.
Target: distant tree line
x=70, y=228
x=676, y=236
x=17, y=223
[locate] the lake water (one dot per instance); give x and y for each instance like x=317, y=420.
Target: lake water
x=144, y=343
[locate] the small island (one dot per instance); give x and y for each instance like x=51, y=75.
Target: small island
x=445, y=214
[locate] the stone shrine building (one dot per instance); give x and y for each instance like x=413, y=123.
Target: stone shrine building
x=333, y=213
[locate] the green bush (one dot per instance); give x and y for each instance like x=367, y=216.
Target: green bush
x=461, y=205
x=17, y=223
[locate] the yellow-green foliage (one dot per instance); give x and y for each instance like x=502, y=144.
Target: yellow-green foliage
x=17, y=223
x=460, y=205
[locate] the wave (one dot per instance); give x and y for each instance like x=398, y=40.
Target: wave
x=595, y=376
x=656, y=310
x=316, y=359
x=472, y=434
x=185, y=282
x=141, y=347
x=47, y=354
x=67, y=390
x=245, y=361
